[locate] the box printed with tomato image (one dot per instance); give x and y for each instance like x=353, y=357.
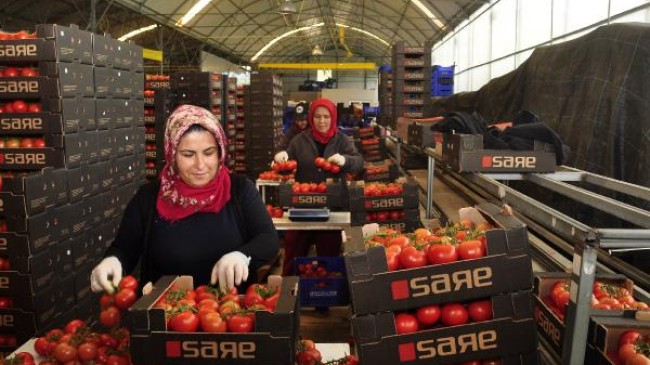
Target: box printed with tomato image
x=400, y=194
x=454, y=263
x=322, y=281
x=495, y=327
x=165, y=331
x=328, y=194
x=612, y=296
x=619, y=341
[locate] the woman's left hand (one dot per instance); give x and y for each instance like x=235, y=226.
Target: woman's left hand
x=337, y=159
x=230, y=270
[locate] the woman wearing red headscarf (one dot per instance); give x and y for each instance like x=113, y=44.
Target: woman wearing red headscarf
x=199, y=220
x=322, y=140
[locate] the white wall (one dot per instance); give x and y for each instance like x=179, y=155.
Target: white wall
x=503, y=34
x=212, y=63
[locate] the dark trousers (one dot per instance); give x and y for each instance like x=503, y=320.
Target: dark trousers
x=297, y=243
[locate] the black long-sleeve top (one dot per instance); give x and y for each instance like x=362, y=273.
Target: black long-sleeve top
x=191, y=246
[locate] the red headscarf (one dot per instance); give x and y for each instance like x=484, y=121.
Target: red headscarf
x=176, y=199
x=319, y=136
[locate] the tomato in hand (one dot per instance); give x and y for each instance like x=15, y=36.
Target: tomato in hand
x=128, y=281
x=125, y=298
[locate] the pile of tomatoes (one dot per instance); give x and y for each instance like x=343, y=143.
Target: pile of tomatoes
x=380, y=189
x=148, y=93
x=19, y=72
x=122, y=298
x=23, y=34
x=308, y=188
x=208, y=309
x=150, y=77
x=327, y=166
x=316, y=269
x=446, y=315
x=22, y=142
x=384, y=215
x=275, y=176
x=20, y=106
x=461, y=241
x=307, y=354
x=605, y=296
x=633, y=349
x=274, y=212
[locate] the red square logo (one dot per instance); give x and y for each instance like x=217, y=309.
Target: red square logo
x=173, y=348
x=486, y=161
x=294, y=199
x=368, y=204
x=399, y=289
x=2, y=158
x=406, y=352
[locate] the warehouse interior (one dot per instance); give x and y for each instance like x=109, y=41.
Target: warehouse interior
x=533, y=112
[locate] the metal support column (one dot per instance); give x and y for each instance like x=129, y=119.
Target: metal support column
x=93, y=16
x=574, y=343
x=431, y=165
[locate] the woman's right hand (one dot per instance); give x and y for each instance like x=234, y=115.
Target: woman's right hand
x=106, y=275
x=281, y=157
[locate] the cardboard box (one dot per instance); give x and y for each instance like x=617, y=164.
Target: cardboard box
x=53, y=43
x=384, y=170
x=272, y=342
x=506, y=268
x=508, y=334
x=421, y=135
x=465, y=153
x=549, y=325
x=406, y=221
x=24, y=195
x=335, y=197
x=409, y=199
x=604, y=333
x=33, y=233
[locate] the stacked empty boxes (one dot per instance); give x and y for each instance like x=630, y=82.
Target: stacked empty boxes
x=157, y=107
x=236, y=159
x=204, y=89
x=386, y=117
x=263, y=121
x=411, y=67
x=442, y=80
x=71, y=123
x=236, y=146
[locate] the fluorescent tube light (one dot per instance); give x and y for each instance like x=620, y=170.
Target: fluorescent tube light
x=133, y=33
x=428, y=13
x=192, y=12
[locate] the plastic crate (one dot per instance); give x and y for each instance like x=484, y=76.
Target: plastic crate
x=323, y=291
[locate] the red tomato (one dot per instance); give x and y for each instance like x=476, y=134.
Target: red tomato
x=638, y=359
x=11, y=72
x=106, y=301
x=392, y=259
x=454, y=314
x=28, y=72
x=184, y=322
x=322, y=188
x=240, y=323
x=73, y=325
x=212, y=322
x=34, y=108
x=117, y=360
x=335, y=169
x=382, y=216
x=480, y=311
x=5, y=302
x=308, y=357
x=278, y=212
x=65, y=352
x=629, y=336
x=327, y=166
x=110, y=317
x=125, y=298
x=19, y=106
x=291, y=165
x=87, y=351
x=411, y=257
x=468, y=250
x=442, y=254
x=406, y=323
x=129, y=281
x=319, y=162
x=560, y=294
x=42, y=347
x=400, y=240
x=428, y=315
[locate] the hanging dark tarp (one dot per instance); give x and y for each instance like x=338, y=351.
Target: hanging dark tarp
x=594, y=91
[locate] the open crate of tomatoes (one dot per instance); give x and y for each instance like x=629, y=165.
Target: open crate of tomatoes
x=328, y=194
x=612, y=297
x=618, y=341
x=322, y=281
x=497, y=328
x=429, y=268
x=401, y=194
x=384, y=170
x=260, y=337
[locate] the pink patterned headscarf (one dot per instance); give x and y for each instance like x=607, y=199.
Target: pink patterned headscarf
x=176, y=199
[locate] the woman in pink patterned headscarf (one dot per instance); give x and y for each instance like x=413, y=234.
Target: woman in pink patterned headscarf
x=199, y=220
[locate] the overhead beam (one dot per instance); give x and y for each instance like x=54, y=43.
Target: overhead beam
x=321, y=66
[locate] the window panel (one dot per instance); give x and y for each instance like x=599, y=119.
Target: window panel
x=480, y=49
x=534, y=23
x=504, y=32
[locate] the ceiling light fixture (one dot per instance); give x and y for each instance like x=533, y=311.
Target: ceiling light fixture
x=133, y=33
x=317, y=51
x=287, y=7
x=364, y=32
x=192, y=12
x=428, y=13
x=282, y=36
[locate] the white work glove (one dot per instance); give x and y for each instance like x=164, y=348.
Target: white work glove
x=230, y=270
x=281, y=157
x=337, y=159
x=106, y=275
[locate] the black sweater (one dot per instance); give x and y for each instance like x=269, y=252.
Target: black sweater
x=191, y=246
